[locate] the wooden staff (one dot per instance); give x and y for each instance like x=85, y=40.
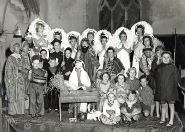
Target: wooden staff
x=175, y=46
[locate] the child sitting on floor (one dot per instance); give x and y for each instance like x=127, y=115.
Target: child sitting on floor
x=146, y=97
x=131, y=108
x=111, y=109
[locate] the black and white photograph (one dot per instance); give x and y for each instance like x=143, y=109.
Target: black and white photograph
x=92, y=66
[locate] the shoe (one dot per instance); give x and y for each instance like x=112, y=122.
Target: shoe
x=169, y=124
x=130, y=123
x=161, y=122
x=49, y=110
x=33, y=116
x=38, y=115
x=125, y=121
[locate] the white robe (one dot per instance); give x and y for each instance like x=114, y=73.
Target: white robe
x=73, y=79
x=101, y=58
x=124, y=57
x=137, y=56
x=73, y=84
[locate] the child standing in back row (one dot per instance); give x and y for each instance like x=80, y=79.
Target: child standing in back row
x=167, y=77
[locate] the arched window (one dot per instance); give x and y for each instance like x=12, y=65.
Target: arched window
x=116, y=13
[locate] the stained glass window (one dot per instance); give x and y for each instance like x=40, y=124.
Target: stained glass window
x=117, y=13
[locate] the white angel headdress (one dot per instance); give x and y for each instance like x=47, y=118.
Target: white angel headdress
x=85, y=32
x=116, y=38
x=97, y=41
x=47, y=29
x=76, y=35
x=147, y=28
x=64, y=39
x=156, y=42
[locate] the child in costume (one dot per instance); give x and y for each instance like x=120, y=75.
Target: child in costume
x=131, y=108
x=37, y=77
x=97, y=79
x=122, y=88
x=132, y=80
x=146, y=97
x=103, y=88
x=58, y=54
x=53, y=93
x=146, y=61
x=68, y=64
x=167, y=77
x=111, y=109
x=79, y=80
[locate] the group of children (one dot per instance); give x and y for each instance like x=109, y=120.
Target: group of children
x=130, y=98
x=125, y=92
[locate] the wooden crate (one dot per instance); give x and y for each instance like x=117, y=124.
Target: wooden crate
x=79, y=96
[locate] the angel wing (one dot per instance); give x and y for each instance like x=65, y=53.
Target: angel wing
x=148, y=27
x=47, y=29
x=85, y=32
x=64, y=43
x=76, y=34
x=97, y=43
x=157, y=42
x=116, y=39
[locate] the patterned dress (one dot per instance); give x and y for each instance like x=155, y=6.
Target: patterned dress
x=15, y=84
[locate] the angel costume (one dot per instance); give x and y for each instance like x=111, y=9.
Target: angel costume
x=147, y=29
x=15, y=84
x=101, y=49
x=123, y=55
x=73, y=35
x=36, y=36
x=86, y=33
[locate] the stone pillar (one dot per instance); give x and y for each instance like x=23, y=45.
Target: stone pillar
x=2, y=62
x=2, y=54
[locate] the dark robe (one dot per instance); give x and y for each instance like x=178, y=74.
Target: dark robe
x=58, y=55
x=167, y=77
x=68, y=67
x=90, y=60
x=45, y=64
x=51, y=99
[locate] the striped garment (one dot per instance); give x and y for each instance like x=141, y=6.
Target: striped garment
x=38, y=74
x=144, y=65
